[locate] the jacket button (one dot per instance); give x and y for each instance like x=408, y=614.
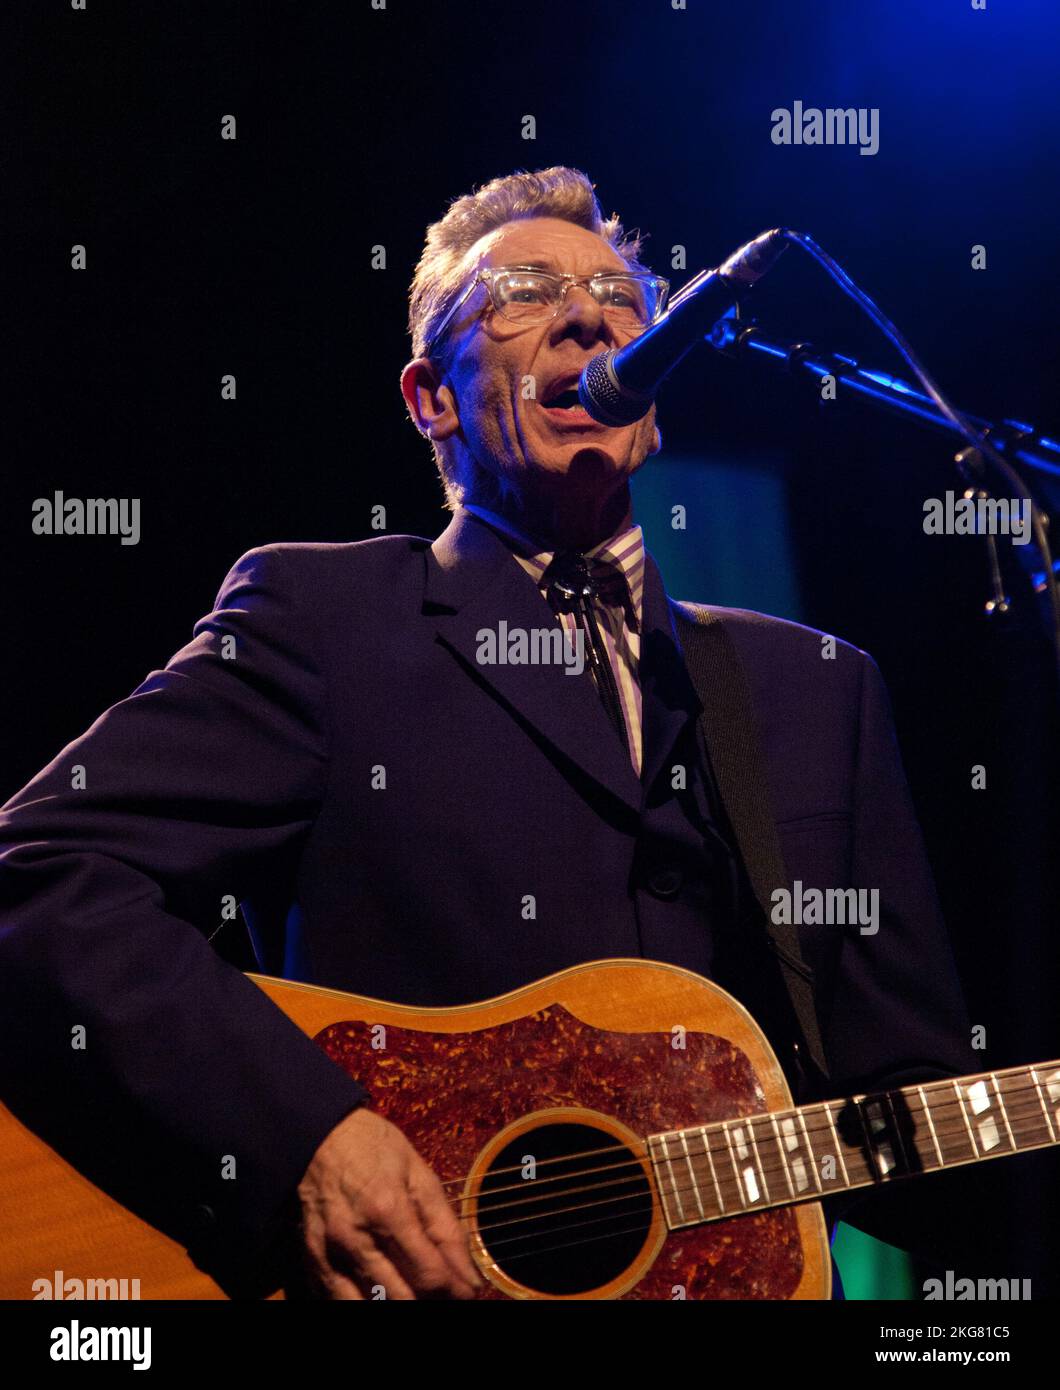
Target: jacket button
x=665, y=883
x=204, y=1221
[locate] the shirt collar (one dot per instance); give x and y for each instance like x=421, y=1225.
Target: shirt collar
x=624, y=550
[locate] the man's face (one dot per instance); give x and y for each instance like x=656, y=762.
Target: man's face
x=510, y=429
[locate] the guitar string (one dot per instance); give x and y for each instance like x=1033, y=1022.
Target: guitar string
x=770, y=1170
x=571, y=1226
x=490, y=1192
x=950, y=1103
x=1015, y=1120
x=813, y=1109
x=723, y=1183
x=782, y=1169
x=569, y=1244
x=639, y=1229
x=533, y=1235
x=638, y=1177
x=791, y=1199
x=624, y=1198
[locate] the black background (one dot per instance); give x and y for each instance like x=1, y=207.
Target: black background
x=355, y=128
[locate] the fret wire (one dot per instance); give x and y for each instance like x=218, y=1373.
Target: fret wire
x=735, y=1179
x=897, y=1132
x=860, y=1159
x=810, y=1152
x=758, y=1159
x=931, y=1126
x=713, y=1170
x=947, y=1095
x=977, y=1096
x=1026, y=1122
x=803, y=1151
x=870, y=1148
x=1041, y=1097
x=838, y=1144
x=747, y=1171
x=852, y=1149
x=925, y=1087
x=659, y=1142
x=915, y=1140
x=732, y=1160
x=875, y=1129
x=1004, y=1111
x=692, y=1173
x=1013, y=1075
x=1025, y=1125
x=815, y=1110
x=783, y=1154
x=960, y=1101
x=868, y=1181
x=1009, y=1073
x=673, y=1178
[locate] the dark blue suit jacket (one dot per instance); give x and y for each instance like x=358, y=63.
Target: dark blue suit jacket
x=253, y=769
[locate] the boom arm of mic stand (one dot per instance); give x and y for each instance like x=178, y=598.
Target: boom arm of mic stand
x=1014, y=442
x=1018, y=442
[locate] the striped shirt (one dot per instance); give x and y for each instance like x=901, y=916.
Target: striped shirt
x=619, y=614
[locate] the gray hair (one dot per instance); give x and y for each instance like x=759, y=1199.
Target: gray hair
x=441, y=272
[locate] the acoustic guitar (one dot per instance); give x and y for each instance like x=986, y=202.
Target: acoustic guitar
x=621, y=1129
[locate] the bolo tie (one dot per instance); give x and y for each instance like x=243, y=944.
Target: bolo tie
x=574, y=587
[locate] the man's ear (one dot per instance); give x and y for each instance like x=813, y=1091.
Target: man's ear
x=431, y=403
x=656, y=437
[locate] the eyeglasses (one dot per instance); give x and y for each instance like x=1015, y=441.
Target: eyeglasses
x=525, y=295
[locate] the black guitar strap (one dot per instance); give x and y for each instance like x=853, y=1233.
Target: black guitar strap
x=728, y=729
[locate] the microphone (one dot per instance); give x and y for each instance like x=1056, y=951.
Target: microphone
x=618, y=387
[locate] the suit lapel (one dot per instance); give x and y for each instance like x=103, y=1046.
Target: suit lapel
x=668, y=697
x=473, y=582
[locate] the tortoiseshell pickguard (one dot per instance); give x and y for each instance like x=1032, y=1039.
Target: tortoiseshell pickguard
x=450, y=1093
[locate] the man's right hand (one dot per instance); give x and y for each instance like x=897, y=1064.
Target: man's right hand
x=375, y=1216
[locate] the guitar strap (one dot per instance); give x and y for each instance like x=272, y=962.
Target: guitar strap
x=728, y=729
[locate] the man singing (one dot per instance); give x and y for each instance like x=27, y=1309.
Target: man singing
x=332, y=751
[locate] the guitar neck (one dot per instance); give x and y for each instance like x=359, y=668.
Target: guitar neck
x=712, y=1171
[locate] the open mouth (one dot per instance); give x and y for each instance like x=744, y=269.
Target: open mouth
x=566, y=399
x=560, y=402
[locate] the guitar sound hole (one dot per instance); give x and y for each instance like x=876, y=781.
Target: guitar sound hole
x=564, y=1209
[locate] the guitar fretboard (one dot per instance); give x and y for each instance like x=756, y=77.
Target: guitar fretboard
x=729, y=1167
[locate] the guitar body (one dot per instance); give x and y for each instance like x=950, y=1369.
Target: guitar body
x=510, y=1101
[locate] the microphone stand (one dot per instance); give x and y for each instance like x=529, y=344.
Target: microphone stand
x=1005, y=445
